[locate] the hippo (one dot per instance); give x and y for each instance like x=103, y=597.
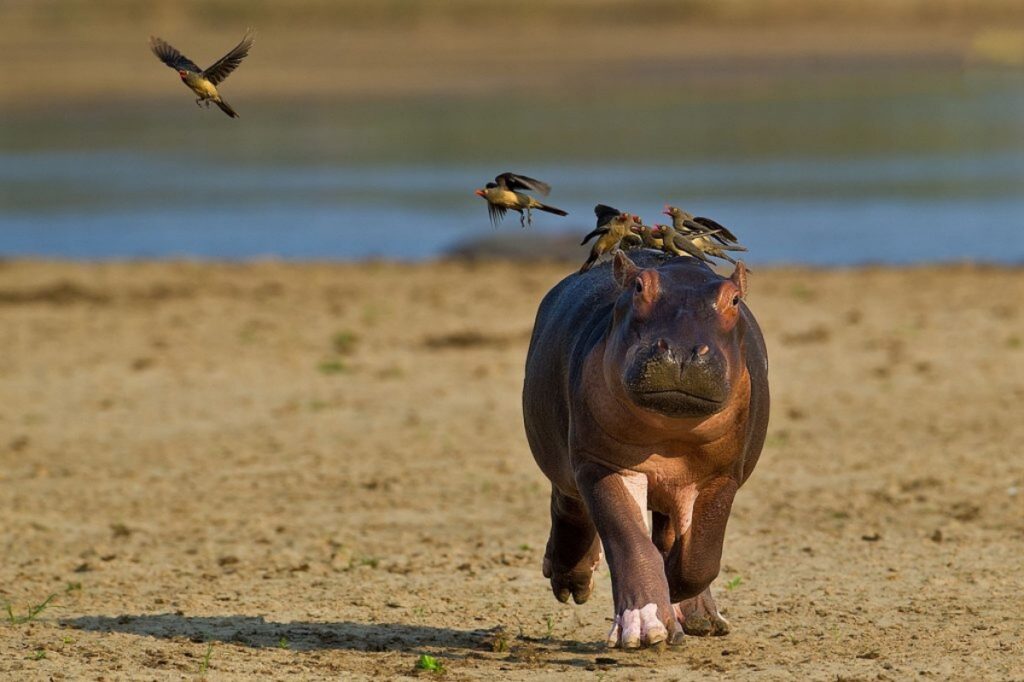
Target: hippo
x=646, y=389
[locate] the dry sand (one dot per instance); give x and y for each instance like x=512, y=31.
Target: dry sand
x=320, y=471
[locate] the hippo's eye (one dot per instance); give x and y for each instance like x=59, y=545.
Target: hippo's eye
x=736, y=299
x=639, y=287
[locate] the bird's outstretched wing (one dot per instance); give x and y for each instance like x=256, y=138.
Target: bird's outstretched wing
x=514, y=181
x=171, y=57
x=496, y=213
x=727, y=237
x=605, y=214
x=599, y=230
x=229, y=62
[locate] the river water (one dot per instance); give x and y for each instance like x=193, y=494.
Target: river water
x=893, y=168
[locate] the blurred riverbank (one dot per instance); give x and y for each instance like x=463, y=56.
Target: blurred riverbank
x=62, y=52
x=823, y=133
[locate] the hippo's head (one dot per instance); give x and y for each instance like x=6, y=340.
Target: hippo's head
x=674, y=344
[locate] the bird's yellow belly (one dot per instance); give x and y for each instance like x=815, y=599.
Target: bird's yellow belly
x=510, y=199
x=204, y=89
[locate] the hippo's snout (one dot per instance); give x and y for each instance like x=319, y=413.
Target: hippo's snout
x=678, y=379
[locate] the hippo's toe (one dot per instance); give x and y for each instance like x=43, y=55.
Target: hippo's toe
x=699, y=616
x=577, y=584
x=634, y=628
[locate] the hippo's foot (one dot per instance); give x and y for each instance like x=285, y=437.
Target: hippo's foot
x=699, y=616
x=576, y=582
x=633, y=628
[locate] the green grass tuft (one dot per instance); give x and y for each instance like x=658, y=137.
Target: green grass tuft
x=204, y=664
x=32, y=613
x=429, y=663
x=344, y=343
x=332, y=367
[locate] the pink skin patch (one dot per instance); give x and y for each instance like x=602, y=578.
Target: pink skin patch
x=636, y=485
x=634, y=627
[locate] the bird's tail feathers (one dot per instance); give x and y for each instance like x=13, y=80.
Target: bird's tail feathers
x=551, y=209
x=226, y=108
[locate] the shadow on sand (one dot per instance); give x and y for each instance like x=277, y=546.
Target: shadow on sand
x=254, y=631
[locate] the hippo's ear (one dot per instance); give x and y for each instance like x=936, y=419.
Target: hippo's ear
x=739, y=278
x=624, y=270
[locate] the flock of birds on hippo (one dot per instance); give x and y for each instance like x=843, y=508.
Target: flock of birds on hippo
x=646, y=391
x=688, y=235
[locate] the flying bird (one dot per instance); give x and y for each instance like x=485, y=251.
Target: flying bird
x=203, y=82
x=506, y=193
x=612, y=229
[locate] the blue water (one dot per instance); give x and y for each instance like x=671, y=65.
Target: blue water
x=829, y=179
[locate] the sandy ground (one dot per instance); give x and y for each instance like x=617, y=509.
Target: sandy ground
x=268, y=470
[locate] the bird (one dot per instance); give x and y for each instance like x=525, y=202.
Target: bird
x=612, y=229
x=684, y=222
x=502, y=195
x=605, y=214
x=647, y=237
x=706, y=234
x=677, y=244
x=698, y=244
x=717, y=250
x=204, y=82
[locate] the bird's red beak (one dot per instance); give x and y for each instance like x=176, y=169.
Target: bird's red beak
x=479, y=193
x=665, y=212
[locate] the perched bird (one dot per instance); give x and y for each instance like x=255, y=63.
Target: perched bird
x=612, y=229
x=703, y=242
x=203, y=82
x=685, y=222
x=605, y=214
x=696, y=244
x=647, y=237
x=503, y=195
x=677, y=244
x=705, y=233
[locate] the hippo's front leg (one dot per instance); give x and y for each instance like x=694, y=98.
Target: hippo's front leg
x=643, y=611
x=691, y=541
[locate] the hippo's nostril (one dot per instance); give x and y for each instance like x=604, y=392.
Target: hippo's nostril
x=662, y=346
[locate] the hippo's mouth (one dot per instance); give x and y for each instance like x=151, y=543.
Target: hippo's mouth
x=679, y=403
x=676, y=393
